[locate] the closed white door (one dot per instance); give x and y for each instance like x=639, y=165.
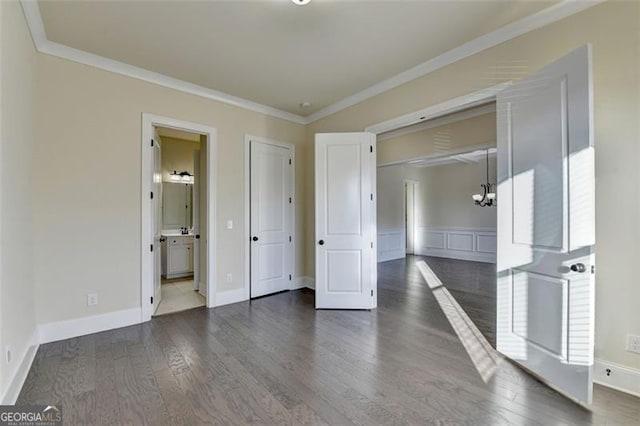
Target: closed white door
x=156, y=210
x=345, y=220
x=546, y=226
x=271, y=213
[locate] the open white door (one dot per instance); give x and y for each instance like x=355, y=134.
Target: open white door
x=271, y=214
x=546, y=224
x=156, y=210
x=345, y=220
x=196, y=219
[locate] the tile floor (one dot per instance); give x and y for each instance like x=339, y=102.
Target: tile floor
x=178, y=296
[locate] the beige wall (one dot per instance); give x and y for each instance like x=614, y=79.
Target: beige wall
x=476, y=131
x=177, y=154
x=17, y=282
x=390, y=191
x=445, y=196
x=87, y=184
x=613, y=30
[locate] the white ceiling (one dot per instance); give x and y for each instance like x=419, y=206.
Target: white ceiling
x=274, y=52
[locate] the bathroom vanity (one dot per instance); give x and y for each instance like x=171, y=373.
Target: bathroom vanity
x=177, y=255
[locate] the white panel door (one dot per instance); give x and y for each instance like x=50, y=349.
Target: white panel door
x=156, y=210
x=345, y=220
x=271, y=213
x=196, y=220
x=546, y=226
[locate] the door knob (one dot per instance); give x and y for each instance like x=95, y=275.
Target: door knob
x=321, y=242
x=255, y=238
x=162, y=239
x=578, y=267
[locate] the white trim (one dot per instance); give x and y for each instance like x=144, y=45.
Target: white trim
x=622, y=378
x=60, y=330
x=438, y=110
x=544, y=17
x=391, y=244
x=537, y=20
x=443, y=157
x=247, y=205
x=303, y=282
x=439, y=121
x=146, y=273
x=17, y=381
x=440, y=245
x=230, y=296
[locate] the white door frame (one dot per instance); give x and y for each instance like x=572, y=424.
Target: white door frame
x=415, y=184
x=247, y=207
x=146, y=271
x=443, y=108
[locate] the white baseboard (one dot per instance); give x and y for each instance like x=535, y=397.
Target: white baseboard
x=15, y=385
x=61, y=330
x=622, y=378
x=302, y=282
x=229, y=297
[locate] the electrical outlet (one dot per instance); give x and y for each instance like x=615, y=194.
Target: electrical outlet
x=7, y=352
x=229, y=224
x=633, y=343
x=229, y=277
x=92, y=299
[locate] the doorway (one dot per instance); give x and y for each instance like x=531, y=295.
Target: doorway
x=178, y=206
x=179, y=220
x=269, y=216
x=410, y=213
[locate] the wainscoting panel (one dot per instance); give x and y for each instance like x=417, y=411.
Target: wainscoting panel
x=477, y=244
x=391, y=244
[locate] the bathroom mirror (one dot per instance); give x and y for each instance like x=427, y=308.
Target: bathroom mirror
x=177, y=199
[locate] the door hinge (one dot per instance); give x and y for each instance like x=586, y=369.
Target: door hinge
x=289, y=238
x=151, y=247
x=371, y=244
x=371, y=293
x=151, y=142
x=371, y=196
x=152, y=300
x=593, y=269
x=152, y=195
x=289, y=277
x=289, y=161
x=289, y=200
x=371, y=149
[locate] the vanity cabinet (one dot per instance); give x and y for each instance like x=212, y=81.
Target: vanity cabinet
x=177, y=256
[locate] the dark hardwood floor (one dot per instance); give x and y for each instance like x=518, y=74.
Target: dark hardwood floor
x=279, y=361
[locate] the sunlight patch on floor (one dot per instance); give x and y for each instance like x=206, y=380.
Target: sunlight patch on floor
x=484, y=357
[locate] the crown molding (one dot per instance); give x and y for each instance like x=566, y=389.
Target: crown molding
x=43, y=45
x=537, y=20
x=545, y=17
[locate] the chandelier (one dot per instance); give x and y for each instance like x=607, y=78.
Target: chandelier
x=488, y=196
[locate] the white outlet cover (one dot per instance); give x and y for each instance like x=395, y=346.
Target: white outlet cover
x=229, y=224
x=92, y=299
x=229, y=277
x=633, y=343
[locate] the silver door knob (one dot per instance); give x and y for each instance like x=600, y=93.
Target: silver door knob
x=578, y=267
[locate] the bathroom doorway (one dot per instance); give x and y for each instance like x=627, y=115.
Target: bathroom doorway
x=178, y=271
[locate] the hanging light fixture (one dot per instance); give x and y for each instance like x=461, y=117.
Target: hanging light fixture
x=488, y=196
x=182, y=177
